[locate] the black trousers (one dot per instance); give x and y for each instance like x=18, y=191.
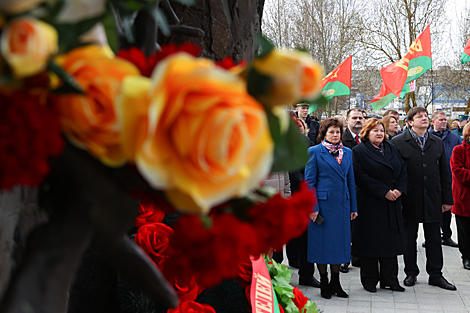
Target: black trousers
x=432, y=235
x=445, y=224
x=371, y=274
x=306, y=268
x=463, y=235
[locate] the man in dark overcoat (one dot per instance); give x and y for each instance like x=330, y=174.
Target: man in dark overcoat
x=429, y=194
x=355, y=121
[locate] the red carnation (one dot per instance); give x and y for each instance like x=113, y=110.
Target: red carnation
x=147, y=65
x=29, y=135
x=192, y=307
x=214, y=253
x=300, y=300
x=228, y=63
x=154, y=240
x=279, y=219
x=148, y=214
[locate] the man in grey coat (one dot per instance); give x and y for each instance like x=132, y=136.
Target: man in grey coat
x=429, y=194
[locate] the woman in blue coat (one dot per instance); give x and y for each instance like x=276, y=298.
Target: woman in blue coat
x=330, y=171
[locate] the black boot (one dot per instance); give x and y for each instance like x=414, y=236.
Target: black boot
x=325, y=287
x=335, y=286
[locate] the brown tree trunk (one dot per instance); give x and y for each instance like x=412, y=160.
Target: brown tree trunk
x=230, y=27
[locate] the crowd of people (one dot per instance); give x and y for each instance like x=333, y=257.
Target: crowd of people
x=375, y=184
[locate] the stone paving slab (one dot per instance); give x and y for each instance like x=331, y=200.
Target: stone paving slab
x=417, y=299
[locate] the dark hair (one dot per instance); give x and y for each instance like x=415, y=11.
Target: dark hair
x=414, y=111
x=391, y=112
x=329, y=122
x=353, y=110
x=370, y=125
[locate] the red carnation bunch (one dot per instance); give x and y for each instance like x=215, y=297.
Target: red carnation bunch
x=213, y=253
x=147, y=64
x=29, y=135
x=279, y=219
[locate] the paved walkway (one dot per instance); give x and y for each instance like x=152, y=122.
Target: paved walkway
x=419, y=298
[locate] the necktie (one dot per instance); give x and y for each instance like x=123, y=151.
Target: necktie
x=357, y=139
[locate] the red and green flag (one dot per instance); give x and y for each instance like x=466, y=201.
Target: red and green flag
x=397, y=75
x=466, y=53
x=336, y=83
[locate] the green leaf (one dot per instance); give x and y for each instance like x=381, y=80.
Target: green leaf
x=263, y=46
x=160, y=19
x=186, y=2
x=70, y=32
x=110, y=29
x=257, y=83
x=290, y=150
x=133, y=6
x=70, y=85
x=53, y=10
x=206, y=221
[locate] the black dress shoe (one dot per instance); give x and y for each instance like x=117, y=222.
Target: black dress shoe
x=394, y=287
x=441, y=282
x=309, y=281
x=344, y=268
x=410, y=280
x=449, y=242
x=466, y=264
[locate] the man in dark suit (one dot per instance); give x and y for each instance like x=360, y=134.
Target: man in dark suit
x=429, y=194
x=354, y=120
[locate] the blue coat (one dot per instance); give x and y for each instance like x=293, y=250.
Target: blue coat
x=330, y=243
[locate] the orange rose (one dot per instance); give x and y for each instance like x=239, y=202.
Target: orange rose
x=27, y=45
x=194, y=131
x=89, y=121
x=295, y=76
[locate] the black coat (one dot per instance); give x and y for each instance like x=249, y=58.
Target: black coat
x=348, y=140
x=378, y=229
x=428, y=178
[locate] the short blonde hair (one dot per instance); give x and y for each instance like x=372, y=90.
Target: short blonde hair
x=369, y=125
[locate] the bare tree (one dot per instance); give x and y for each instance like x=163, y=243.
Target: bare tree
x=387, y=32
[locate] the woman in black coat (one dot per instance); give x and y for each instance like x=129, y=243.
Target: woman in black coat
x=378, y=235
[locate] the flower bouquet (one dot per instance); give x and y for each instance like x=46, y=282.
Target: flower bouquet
x=100, y=131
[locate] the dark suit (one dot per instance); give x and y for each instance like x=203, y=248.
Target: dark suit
x=348, y=140
x=428, y=188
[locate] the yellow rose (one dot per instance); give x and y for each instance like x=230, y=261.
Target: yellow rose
x=90, y=121
x=27, y=45
x=193, y=131
x=295, y=76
